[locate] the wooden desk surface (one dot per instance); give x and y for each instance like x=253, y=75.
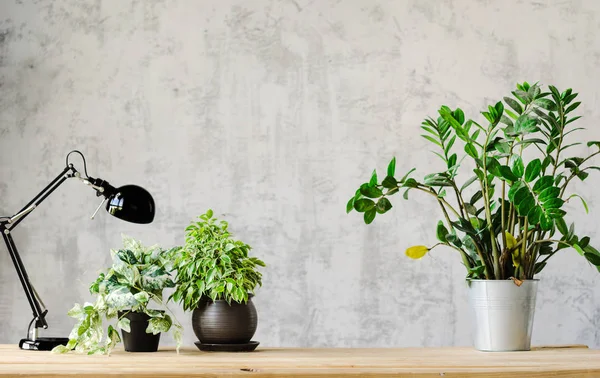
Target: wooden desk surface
x=575, y=361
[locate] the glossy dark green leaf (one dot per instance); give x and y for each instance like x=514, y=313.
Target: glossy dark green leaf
x=432, y=140
x=572, y=107
x=441, y=232
x=533, y=170
x=350, y=205
x=584, y=242
x=370, y=216
x=514, y=189
x=371, y=192
x=593, y=258
x=539, y=267
x=517, y=166
x=383, y=205
x=562, y=226
x=543, y=183
x=545, y=222
x=549, y=193
x=364, y=204
x=554, y=203
x=389, y=182
x=507, y=173
x=410, y=183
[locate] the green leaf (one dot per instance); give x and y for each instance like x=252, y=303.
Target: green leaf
x=371, y=192
x=373, y=181
x=364, y=204
x=562, y=226
x=389, y=182
x=507, y=173
x=468, y=182
x=124, y=324
x=471, y=150
x=539, y=266
x=383, y=205
x=441, y=232
x=127, y=256
x=158, y=325
x=545, y=104
x=370, y=215
x=391, y=169
x=549, y=193
x=543, y=183
x=572, y=107
x=533, y=170
x=517, y=166
x=429, y=138
x=350, y=205
x=593, y=258
x=585, y=206
x=514, y=105
x=142, y=297
x=526, y=124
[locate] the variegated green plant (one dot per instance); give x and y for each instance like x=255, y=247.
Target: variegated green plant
x=512, y=220
x=135, y=282
x=213, y=264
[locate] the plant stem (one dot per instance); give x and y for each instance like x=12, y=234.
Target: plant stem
x=433, y=193
x=488, y=214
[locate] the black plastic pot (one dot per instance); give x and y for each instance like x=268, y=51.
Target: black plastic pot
x=220, y=323
x=138, y=340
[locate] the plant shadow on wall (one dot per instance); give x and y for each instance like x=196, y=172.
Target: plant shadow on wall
x=126, y=293
x=216, y=279
x=507, y=219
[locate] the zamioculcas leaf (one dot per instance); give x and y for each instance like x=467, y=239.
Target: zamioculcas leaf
x=389, y=182
x=471, y=150
x=545, y=103
x=350, y=205
x=417, y=251
x=533, y=170
x=562, y=226
x=517, y=166
x=514, y=105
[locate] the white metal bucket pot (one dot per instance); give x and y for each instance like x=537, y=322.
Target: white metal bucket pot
x=502, y=314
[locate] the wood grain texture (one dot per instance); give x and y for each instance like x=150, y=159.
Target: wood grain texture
x=407, y=362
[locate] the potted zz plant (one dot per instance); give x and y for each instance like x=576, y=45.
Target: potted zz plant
x=126, y=292
x=216, y=279
x=505, y=219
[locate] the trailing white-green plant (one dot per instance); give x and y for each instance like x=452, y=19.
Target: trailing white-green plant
x=213, y=264
x=134, y=283
x=514, y=220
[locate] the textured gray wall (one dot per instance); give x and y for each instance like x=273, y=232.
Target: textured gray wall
x=271, y=113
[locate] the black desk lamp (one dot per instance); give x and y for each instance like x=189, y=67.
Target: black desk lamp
x=130, y=203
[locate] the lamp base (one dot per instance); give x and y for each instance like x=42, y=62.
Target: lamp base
x=43, y=343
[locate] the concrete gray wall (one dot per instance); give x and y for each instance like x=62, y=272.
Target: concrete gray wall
x=272, y=113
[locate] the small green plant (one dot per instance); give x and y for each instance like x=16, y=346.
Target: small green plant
x=213, y=264
x=512, y=221
x=135, y=282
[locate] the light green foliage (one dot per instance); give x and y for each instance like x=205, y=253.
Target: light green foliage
x=134, y=283
x=213, y=264
x=511, y=223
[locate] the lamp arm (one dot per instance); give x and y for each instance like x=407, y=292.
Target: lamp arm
x=8, y=223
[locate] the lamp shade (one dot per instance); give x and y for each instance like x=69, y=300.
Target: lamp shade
x=131, y=203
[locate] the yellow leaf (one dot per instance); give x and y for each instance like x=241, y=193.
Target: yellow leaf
x=510, y=240
x=417, y=251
